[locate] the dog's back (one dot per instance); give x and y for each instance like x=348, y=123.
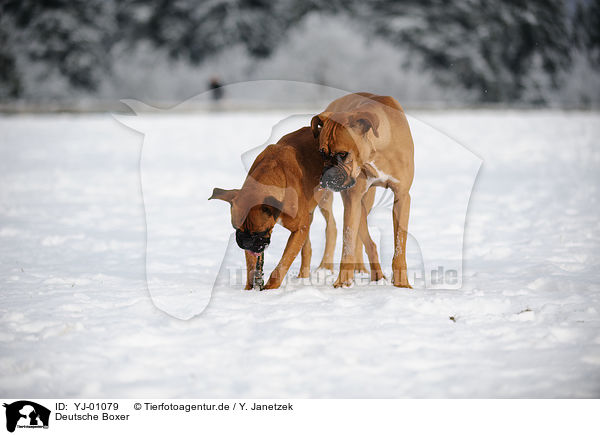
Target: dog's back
x=352, y=102
x=297, y=154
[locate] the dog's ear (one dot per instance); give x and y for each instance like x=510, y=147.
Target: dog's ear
x=363, y=121
x=315, y=125
x=224, y=195
x=288, y=206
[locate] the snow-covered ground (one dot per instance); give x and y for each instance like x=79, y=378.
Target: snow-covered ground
x=77, y=319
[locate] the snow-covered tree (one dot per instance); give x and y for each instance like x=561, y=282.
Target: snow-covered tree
x=487, y=46
x=71, y=38
x=497, y=50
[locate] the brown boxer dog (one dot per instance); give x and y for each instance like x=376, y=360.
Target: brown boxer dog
x=365, y=141
x=282, y=186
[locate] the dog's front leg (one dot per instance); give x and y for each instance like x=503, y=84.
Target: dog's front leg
x=250, y=270
x=352, y=209
x=294, y=244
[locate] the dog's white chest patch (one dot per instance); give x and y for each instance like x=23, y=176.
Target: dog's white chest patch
x=377, y=176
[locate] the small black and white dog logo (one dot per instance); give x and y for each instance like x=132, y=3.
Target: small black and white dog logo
x=26, y=414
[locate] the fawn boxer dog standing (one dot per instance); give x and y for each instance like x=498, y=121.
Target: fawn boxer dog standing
x=365, y=140
x=282, y=186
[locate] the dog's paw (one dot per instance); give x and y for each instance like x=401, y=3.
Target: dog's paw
x=377, y=275
x=304, y=273
x=272, y=284
x=402, y=285
x=376, y=272
x=400, y=278
x=345, y=279
x=345, y=285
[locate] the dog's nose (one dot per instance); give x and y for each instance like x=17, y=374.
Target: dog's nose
x=243, y=239
x=251, y=242
x=333, y=178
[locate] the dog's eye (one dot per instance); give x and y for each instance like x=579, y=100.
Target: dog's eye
x=342, y=155
x=323, y=154
x=266, y=210
x=262, y=234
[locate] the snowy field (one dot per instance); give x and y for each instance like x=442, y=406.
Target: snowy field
x=77, y=318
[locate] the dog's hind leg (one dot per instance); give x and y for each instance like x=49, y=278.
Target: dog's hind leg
x=400, y=215
x=370, y=246
x=359, y=262
x=326, y=208
x=306, y=255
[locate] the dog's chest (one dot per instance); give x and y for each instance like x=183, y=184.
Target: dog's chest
x=377, y=177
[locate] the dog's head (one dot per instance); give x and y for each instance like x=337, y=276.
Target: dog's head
x=254, y=213
x=344, y=144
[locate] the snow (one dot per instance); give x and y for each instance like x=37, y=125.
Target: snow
x=77, y=319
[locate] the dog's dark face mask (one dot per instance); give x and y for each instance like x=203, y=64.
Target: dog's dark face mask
x=336, y=173
x=255, y=233
x=339, y=153
x=254, y=242
x=252, y=218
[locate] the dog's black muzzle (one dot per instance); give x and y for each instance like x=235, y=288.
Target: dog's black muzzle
x=333, y=178
x=255, y=242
